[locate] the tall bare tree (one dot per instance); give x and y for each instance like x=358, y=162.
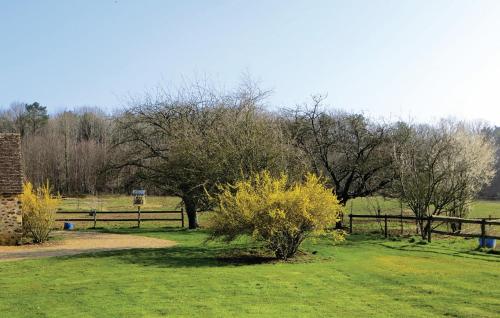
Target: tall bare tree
x=441, y=169
x=186, y=143
x=352, y=151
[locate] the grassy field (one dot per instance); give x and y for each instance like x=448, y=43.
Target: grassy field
x=479, y=209
x=364, y=276
x=107, y=203
x=118, y=203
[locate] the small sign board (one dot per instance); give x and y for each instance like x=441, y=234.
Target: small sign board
x=139, y=197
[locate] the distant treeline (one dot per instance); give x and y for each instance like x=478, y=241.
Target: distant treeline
x=88, y=151
x=492, y=191
x=69, y=149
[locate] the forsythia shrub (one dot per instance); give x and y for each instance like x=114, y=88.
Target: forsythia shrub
x=39, y=211
x=275, y=212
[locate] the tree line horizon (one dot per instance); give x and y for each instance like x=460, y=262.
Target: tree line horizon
x=186, y=142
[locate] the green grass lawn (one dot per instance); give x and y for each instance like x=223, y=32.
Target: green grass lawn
x=362, y=277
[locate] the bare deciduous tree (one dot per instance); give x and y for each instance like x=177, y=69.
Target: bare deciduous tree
x=352, y=151
x=441, y=169
x=186, y=143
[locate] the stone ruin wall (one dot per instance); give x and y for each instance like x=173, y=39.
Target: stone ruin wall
x=11, y=176
x=11, y=222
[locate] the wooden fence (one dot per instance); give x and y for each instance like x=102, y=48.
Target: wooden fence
x=432, y=220
x=92, y=216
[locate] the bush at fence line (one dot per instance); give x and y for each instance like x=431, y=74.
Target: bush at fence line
x=39, y=211
x=274, y=211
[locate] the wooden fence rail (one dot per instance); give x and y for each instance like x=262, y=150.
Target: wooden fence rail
x=138, y=217
x=430, y=219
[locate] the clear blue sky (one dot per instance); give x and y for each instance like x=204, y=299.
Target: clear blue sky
x=419, y=59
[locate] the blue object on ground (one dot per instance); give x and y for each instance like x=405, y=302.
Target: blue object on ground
x=69, y=226
x=487, y=242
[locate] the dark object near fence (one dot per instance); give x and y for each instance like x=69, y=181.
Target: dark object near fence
x=139, y=216
x=68, y=226
x=430, y=219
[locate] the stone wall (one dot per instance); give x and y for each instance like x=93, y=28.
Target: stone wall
x=11, y=172
x=11, y=185
x=11, y=226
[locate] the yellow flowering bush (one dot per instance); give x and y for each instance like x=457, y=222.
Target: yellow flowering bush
x=39, y=211
x=274, y=211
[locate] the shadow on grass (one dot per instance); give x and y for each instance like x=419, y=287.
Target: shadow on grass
x=191, y=250
x=142, y=230
x=450, y=252
x=182, y=257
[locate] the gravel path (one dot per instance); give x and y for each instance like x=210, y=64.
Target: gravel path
x=72, y=243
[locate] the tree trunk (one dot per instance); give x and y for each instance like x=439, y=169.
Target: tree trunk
x=190, y=205
x=339, y=224
x=456, y=227
x=424, y=228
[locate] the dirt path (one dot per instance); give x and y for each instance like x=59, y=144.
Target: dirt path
x=71, y=243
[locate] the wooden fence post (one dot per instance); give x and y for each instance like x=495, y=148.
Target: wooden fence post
x=429, y=228
x=385, y=225
x=182, y=216
x=350, y=223
x=483, y=232
x=138, y=216
x=94, y=212
x=401, y=219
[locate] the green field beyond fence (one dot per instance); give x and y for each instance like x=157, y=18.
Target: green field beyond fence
x=480, y=209
x=369, y=205
x=118, y=203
